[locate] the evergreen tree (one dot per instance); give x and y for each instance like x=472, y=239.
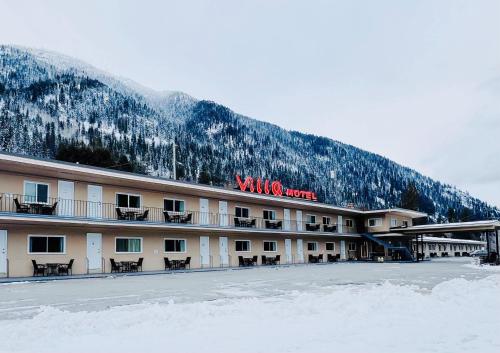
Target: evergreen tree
x=410, y=197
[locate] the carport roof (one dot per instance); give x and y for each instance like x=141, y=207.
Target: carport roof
x=476, y=226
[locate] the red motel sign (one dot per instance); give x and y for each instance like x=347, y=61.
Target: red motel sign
x=275, y=188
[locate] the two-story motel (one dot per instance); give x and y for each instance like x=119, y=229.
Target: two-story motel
x=52, y=212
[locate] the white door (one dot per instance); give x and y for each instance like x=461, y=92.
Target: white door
x=94, y=247
x=94, y=204
x=286, y=218
x=3, y=253
x=223, y=217
x=288, y=250
x=66, y=198
x=223, y=251
x=204, y=251
x=204, y=211
x=340, y=225
x=299, y=221
x=342, y=250
x=300, y=251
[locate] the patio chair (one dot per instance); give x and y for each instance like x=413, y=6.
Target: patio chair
x=49, y=210
x=268, y=224
x=143, y=217
x=168, y=219
x=252, y=223
x=168, y=264
x=312, y=259
x=264, y=259
x=119, y=214
x=187, y=219
x=135, y=266
x=279, y=224
x=320, y=258
x=254, y=260
x=115, y=267
x=241, y=261
x=21, y=208
x=277, y=259
x=237, y=222
x=187, y=263
x=66, y=268
x=38, y=269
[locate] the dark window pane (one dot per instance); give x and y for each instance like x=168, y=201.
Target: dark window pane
x=169, y=245
x=134, y=201
x=38, y=244
x=179, y=206
x=330, y=246
x=121, y=245
x=43, y=193
x=55, y=244
x=168, y=205
x=122, y=200
x=244, y=212
x=237, y=212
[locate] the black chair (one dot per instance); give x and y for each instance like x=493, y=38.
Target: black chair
x=115, y=267
x=237, y=222
x=252, y=223
x=279, y=224
x=120, y=214
x=241, y=261
x=312, y=259
x=168, y=219
x=49, y=210
x=254, y=260
x=21, y=208
x=38, y=269
x=143, y=217
x=330, y=258
x=264, y=260
x=187, y=219
x=66, y=268
x=268, y=224
x=320, y=258
x=168, y=264
x=135, y=266
x=187, y=263
x=277, y=259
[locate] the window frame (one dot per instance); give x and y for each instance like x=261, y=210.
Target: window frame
x=330, y=242
x=175, y=252
x=243, y=240
x=128, y=200
x=25, y=196
x=328, y=218
x=351, y=221
x=308, y=218
x=270, y=241
x=270, y=211
x=394, y=222
x=130, y=252
x=349, y=246
x=375, y=219
x=242, y=207
x=316, y=247
x=173, y=199
x=405, y=223
x=46, y=236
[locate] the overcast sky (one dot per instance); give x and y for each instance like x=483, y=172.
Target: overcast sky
x=416, y=81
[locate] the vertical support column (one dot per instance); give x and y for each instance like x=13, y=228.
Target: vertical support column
x=496, y=241
x=416, y=247
x=488, y=245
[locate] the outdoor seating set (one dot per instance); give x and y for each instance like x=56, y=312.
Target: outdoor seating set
x=270, y=260
x=130, y=215
x=177, y=264
x=331, y=228
x=52, y=269
x=313, y=227
x=315, y=259
x=271, y=224
x=35, y=208
x=126, y=266
x=332, y=258
x=177, y=218
x=244, y=222
x=252, y=261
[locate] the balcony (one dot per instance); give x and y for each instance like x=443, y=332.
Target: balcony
x=24, y=205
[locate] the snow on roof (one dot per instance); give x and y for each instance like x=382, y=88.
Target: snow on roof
x=452, y=240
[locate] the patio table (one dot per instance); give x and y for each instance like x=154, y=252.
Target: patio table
x=126, y=265
x=52, y=269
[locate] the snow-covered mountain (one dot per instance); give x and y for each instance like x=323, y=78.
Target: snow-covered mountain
x=47, y=99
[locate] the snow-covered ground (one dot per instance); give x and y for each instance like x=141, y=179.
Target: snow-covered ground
x=439, y=306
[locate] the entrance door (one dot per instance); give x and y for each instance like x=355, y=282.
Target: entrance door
x=203, y=211
x=94, y=252
x=299, y=221
x=66, y=198
x=204, y=251
x=364, y=250
x=94, y=204
x=223, y=251
x=286, y=216
x=288, y=250
x=3, y=253
x=223, y=217
x=300, y=251
x=342, y=250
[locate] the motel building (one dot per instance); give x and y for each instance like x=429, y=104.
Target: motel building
x=63, y=218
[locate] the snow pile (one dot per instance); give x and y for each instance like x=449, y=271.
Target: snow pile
x=456, y=316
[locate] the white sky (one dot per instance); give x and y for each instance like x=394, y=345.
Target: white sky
x=416, y=81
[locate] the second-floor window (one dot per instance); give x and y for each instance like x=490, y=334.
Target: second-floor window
x=405, y=223
x=349, y=223
x=394, y=222
x=241, y=212
x=173, y=205
x=269, y=214
x=310, y=218
x=36, y=192
x=128, y=200
x=326, y=220
x=374, y=222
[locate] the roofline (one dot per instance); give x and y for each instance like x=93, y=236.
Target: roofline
x=106, y=172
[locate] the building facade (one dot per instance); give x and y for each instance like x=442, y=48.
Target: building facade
x=52, y=212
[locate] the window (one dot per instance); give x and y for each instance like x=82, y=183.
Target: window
x=48, y=244
x=269, y=214
x=175, y=245
x=36, y=192
x=128, y=245
x=270, y=246
x=352, y=246
x=405, y=224
x=330, y=246
x=312, y=246
x=394, y=222
x=326, y=220
x=349, y=223
x=128, y=200
x=241, y=212
x=374, y=222
x=172, y=205
x=310, y=218
x=242, y=245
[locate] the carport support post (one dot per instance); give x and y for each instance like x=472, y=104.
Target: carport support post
x=488, y=245
x=416, y=246
x=496, y=241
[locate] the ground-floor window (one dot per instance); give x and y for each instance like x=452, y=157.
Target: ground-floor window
x=242, y=245
x=330, y=246
x=352, y=246
x=175, y=245
x=49, y=244
x=312, y=246
x=128, y=245
x=270, y=245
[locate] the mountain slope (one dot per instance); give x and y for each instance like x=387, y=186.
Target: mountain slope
x=47, y=99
